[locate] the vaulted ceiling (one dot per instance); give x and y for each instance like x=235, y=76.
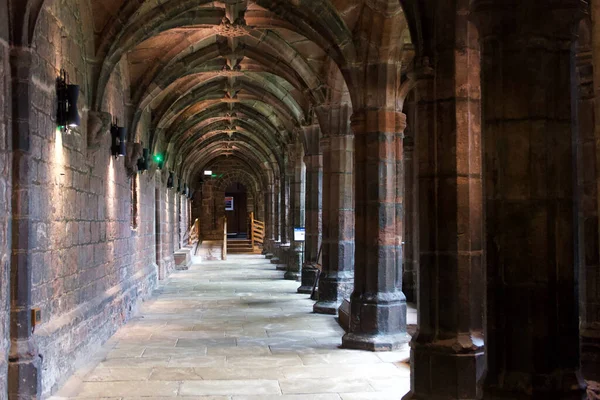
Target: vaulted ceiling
x=241, y=78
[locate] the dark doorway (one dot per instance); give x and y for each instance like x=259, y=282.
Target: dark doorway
x=237, y=218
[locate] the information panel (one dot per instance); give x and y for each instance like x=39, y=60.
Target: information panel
x=299, y=234
x=228, y=203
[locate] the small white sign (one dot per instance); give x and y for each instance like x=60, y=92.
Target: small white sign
x=228, y=203
x=299, y=234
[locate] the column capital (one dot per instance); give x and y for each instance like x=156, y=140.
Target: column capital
x=388, y=121
x=334, y=119
x=551, y=20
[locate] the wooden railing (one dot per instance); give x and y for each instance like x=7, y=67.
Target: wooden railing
x=194, y=233
x=224, y=250
x=257, y=232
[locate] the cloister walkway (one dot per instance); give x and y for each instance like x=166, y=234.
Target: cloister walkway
x=235, y=330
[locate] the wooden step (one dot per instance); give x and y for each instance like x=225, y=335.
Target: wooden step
x=238, y=245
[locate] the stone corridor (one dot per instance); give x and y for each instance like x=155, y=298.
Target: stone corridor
x=235, y=330
x=436, y=153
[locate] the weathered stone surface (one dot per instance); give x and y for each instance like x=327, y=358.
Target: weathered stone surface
x=297, y=179
x=448, y=349
x=377, y=304
x=337, y=145
x=5, y=204
x=588, y=57
x=251, y=345
x=243, y=88
x=529, y=154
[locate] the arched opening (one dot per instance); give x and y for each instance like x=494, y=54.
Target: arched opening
x=237, y=206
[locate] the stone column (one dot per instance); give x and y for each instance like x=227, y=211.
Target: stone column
x=314, y=212
x=162, y=257
x=447, y=353
x=377, y=305
x=277, y=212
x=24, y=362
x=297, y=211
x=285, y=205
x=410, y=247
x=532, y=313
x=337, y=144
x=589, y=126
x=269, y=223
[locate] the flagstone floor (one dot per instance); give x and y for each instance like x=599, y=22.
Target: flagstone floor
x=235, y=330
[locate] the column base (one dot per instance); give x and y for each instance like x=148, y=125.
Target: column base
x=305, y=289
x=381, y=342
x=274, y=260
x=344, y=315
x=291, y=276
x=308, y=277
x=269, y=256
x=294, y=263
x=24, y=372
x=326, y=307
x=377, y=322
x=333, y=288
x=590, y=354
x=568, y=385
x=450, y=371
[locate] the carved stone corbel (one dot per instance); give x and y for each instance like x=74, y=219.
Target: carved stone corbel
x=98, y=125
x=134, y=153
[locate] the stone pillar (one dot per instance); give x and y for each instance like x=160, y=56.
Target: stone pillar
x=337, y=144
x=532, y=313
x=259, y=206
x=285, y=205
x=589, y=127
x=447, y=354
x=314, y=212
x=269, y=222
x=277, y=212
x=410, y=246
x=24, y=362
x=162, y=258
x=377, y=305
x=297, y=211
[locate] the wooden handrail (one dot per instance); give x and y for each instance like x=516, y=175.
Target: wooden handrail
x=257, y=232
x=194, y=233
x=224, y=251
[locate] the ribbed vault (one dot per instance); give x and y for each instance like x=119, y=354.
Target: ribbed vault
x=245, y=78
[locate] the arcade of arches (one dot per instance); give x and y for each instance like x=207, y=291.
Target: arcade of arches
x=438, y=152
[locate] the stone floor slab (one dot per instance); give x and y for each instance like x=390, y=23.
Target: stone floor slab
x=234, y=330
x=97, y=390
x=230, y=387
x=330, y=385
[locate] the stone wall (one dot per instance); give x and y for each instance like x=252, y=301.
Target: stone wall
x=184, y=221
x=5, y=195
x=164, y=223
x=90, y=268
x=174, y=225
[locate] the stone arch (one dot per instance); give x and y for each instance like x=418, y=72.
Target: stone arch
x=160, y=19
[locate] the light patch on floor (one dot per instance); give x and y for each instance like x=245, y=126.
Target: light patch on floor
x=235, y=330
